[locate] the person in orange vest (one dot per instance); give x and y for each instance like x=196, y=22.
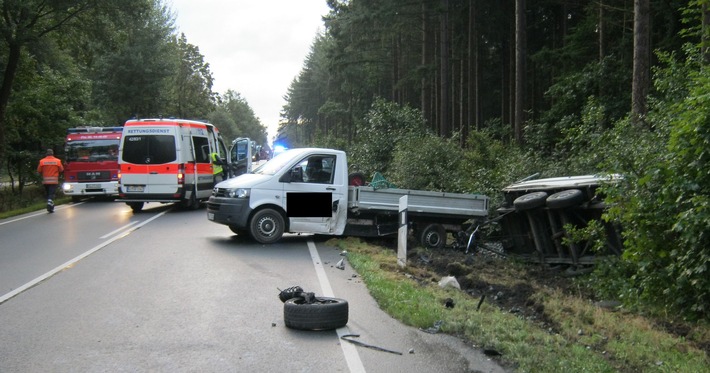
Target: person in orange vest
x=50, y=168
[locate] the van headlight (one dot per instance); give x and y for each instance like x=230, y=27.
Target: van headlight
x=238, y=193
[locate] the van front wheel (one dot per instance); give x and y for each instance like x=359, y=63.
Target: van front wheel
x=266, y=226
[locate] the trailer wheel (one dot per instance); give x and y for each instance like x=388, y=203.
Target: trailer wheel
x=356, y=179
x=135, y=206
x=266, y=226
x=323, y=314
x=530, y=201
x=565, y=198
x=433, y=236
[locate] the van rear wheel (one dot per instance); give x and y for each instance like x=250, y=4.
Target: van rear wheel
x=135, y=206
x=191, y=203
x=266, y=226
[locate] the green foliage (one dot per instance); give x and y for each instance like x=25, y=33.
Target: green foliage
x=235, y=118
x=662, y=204
x=427, y=163
x=386, y=125
x=192, y=95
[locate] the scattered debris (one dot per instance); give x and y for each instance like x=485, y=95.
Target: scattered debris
x=341, y=264
x=490, y=352
x=411, y=350
x=449, y=303
x=347, y=337
x=344, y=253
x=480, y=302
x=434, y=329
x=449, y=281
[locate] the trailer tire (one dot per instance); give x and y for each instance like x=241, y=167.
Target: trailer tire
x=530, y=201
x=433, y=236
x=565, y=198
x=356, y=179
x=135, y=206
x=266, y=226
x=323, y=314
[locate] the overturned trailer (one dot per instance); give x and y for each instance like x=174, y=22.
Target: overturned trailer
x=535, y=212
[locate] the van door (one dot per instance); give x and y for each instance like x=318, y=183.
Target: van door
x=199, y=175
x=313, y=200
x=149, y=164
x=241, y=156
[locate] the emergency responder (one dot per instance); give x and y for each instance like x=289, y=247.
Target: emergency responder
x=217, y=168
x=50, y=168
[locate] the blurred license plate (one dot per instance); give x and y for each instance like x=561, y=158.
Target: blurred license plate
x=210, y=216
x=93, y=186
x=135, y=188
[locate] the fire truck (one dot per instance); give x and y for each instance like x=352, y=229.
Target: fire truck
x=91, y=165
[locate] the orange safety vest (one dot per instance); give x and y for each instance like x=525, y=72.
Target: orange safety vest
x=50, y=168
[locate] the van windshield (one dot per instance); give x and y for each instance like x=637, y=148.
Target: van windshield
x=149, y=149
x=274, y=165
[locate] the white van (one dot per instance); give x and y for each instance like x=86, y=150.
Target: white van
x=167, y=161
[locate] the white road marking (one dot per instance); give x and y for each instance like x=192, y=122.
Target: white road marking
x=351, y=355
x=118, y=230
x=96, y=248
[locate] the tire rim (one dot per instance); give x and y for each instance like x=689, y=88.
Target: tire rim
x=267, y=226
x=432, y=239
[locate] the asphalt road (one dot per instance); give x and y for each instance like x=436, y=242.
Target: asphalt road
x=96, y=288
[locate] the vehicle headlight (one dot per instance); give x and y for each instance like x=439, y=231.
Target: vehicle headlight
x=66, y=187
x=238, y=193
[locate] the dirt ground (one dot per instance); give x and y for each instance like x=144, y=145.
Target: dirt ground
x=486, y=274
x=513, y=286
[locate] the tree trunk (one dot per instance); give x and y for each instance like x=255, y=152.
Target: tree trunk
x=520, y=50
x=641, y=70
x=13, y=61
x=705, y=49
x=444, y=68
x=425, y=81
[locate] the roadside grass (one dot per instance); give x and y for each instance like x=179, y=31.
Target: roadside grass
x=585, y=338
x=31, y=199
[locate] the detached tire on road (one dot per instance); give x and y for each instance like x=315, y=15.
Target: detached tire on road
x=530, y=201
x=323, y=314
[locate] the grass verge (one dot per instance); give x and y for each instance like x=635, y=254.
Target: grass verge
x=585, y=338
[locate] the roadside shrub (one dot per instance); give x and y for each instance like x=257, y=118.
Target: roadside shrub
x=428, y=163
x=662, y=203
x=385, y=125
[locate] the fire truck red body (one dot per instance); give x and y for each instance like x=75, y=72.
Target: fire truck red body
x=91, y=167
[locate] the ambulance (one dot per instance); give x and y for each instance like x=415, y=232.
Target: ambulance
x=168, y=161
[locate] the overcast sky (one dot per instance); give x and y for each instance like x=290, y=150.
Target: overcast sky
x=254, y=47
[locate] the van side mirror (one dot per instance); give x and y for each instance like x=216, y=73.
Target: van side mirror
x=295, y=175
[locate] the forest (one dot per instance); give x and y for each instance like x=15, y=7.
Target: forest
x=74, y=63
x=471, y=95
x=455, y=95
